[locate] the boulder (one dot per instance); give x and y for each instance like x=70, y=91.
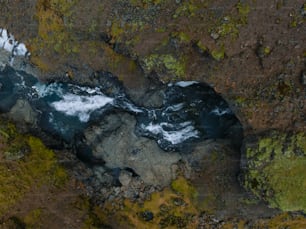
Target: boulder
x=119, y=147
x=22, y=112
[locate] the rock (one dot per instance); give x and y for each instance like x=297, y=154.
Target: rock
x=214, y=35
x=22, y=112
x=146, y=215
x=153, y=98
x=121, y=148
x=125, y=177
x=178, y=202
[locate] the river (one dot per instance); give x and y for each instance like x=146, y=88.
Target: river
x=191, y=111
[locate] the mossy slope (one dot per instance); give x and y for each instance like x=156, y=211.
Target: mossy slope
x=276, y=170
x=25, y=162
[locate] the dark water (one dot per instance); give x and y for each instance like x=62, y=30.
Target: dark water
x=191, y=111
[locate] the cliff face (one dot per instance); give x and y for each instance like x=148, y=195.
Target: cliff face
x=251, y=52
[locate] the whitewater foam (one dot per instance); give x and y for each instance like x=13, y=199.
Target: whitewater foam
x=81, y=106
x=218, y=111
x=8, y=43
x=184, y=131
x=185, y=83
x=44, y=90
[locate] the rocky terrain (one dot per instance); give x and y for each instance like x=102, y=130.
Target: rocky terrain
x=250, y=52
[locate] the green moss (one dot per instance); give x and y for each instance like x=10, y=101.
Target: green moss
x=276, y=170
x=240, y=101
x=287, y=177
x=218, y=54
x=43, y=163
x=243, y=9
x=183, y=187
x=267, y=50
x=228, y=27
x=116, y=31
x=202, y=47
x=187, y=9
x=182, y=37
x=33, y=219
x=284, y=220
x=37, y=166
x=144, y=3
x=165, y=62
x=55, y=32
x=230, y=24
x=301, y=142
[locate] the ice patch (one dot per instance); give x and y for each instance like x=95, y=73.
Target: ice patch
x=185, y=83
x=81, y=106
x=185, y=131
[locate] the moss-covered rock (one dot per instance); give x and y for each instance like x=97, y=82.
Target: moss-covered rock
x=275, y=170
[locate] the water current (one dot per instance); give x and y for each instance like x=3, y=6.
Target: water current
x=191, y=111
